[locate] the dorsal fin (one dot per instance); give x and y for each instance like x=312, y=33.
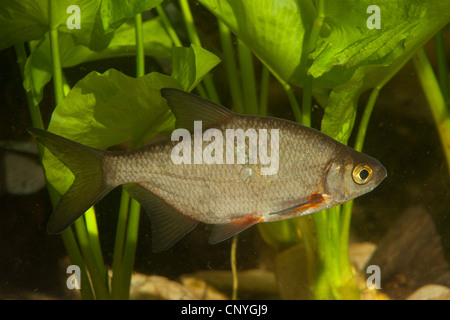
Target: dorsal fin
x=188, y=108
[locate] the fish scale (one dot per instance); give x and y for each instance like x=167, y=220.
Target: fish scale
x=272, y=193
x=314, y=172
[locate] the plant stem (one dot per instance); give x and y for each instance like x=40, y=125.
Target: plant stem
x=233, y=267
x=176, y=41
x=97, y=276
x=135, y=207
x=54, y=47
x=130, y=246
x=67, y=236
x=140, y=54
x=234, y=81
x=442, y=67
x=307, y=101
x=335, y=278
x=317, y=26
x=307, y=86
x=35, y=113
x=97, y=272
x=248, y=79
x=168, y=26
x=435, y=99
x=76, y=259
x=129, y=211
x=116, y=282
x=94, y=242
x=321, y=282
x=359, y=143
x=292, y=99
x=264, y=95
x=189, y=22
x=194, y=38
x=364, y=124
x=305, y=232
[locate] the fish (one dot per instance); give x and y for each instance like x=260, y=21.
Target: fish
x=314, y=172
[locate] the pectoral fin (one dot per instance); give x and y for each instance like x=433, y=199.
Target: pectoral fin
x=224, y=231
x=168, y=224
x=312, y=202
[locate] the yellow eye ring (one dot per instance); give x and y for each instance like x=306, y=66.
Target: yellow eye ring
x=362, y=174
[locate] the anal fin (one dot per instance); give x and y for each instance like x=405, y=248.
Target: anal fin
x=225, y=231
x=168, y=224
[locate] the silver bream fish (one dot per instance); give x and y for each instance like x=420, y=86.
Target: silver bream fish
x=311, y=172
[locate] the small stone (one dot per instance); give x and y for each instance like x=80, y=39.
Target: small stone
x=430, y=291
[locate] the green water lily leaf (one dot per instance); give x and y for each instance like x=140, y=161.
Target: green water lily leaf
x=107, y=109
x=348, y=57
x=190, y=65
x=22, y=21
x=25, y=20
x=340, y=113
x=278, y=33
x=275, y=31
x=38, y=69
x=115, y=12
x=348, y=43
x=350, y=67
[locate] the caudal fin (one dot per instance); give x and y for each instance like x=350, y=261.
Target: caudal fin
x=88, y=186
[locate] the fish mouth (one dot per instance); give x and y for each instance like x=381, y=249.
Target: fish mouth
x=380, y=173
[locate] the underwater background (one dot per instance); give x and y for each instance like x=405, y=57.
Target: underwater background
x=402, y=226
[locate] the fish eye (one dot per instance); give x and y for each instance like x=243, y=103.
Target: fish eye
x=362, y=174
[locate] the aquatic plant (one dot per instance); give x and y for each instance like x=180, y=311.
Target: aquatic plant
x=333, y=50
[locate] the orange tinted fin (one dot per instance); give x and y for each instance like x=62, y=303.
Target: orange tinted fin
x=224, y=231
x=313, y=201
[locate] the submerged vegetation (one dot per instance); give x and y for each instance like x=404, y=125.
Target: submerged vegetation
x=333, y=50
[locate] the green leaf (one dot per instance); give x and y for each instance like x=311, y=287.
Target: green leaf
x=22, y=21
x=115, y=12
x=275, y=31
x=340, y=113
x=356, y=59
x=38, y=70
x=190, y=65
x=278, y=234
x=107, y=109
x=25, y=20
x=346, y=43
